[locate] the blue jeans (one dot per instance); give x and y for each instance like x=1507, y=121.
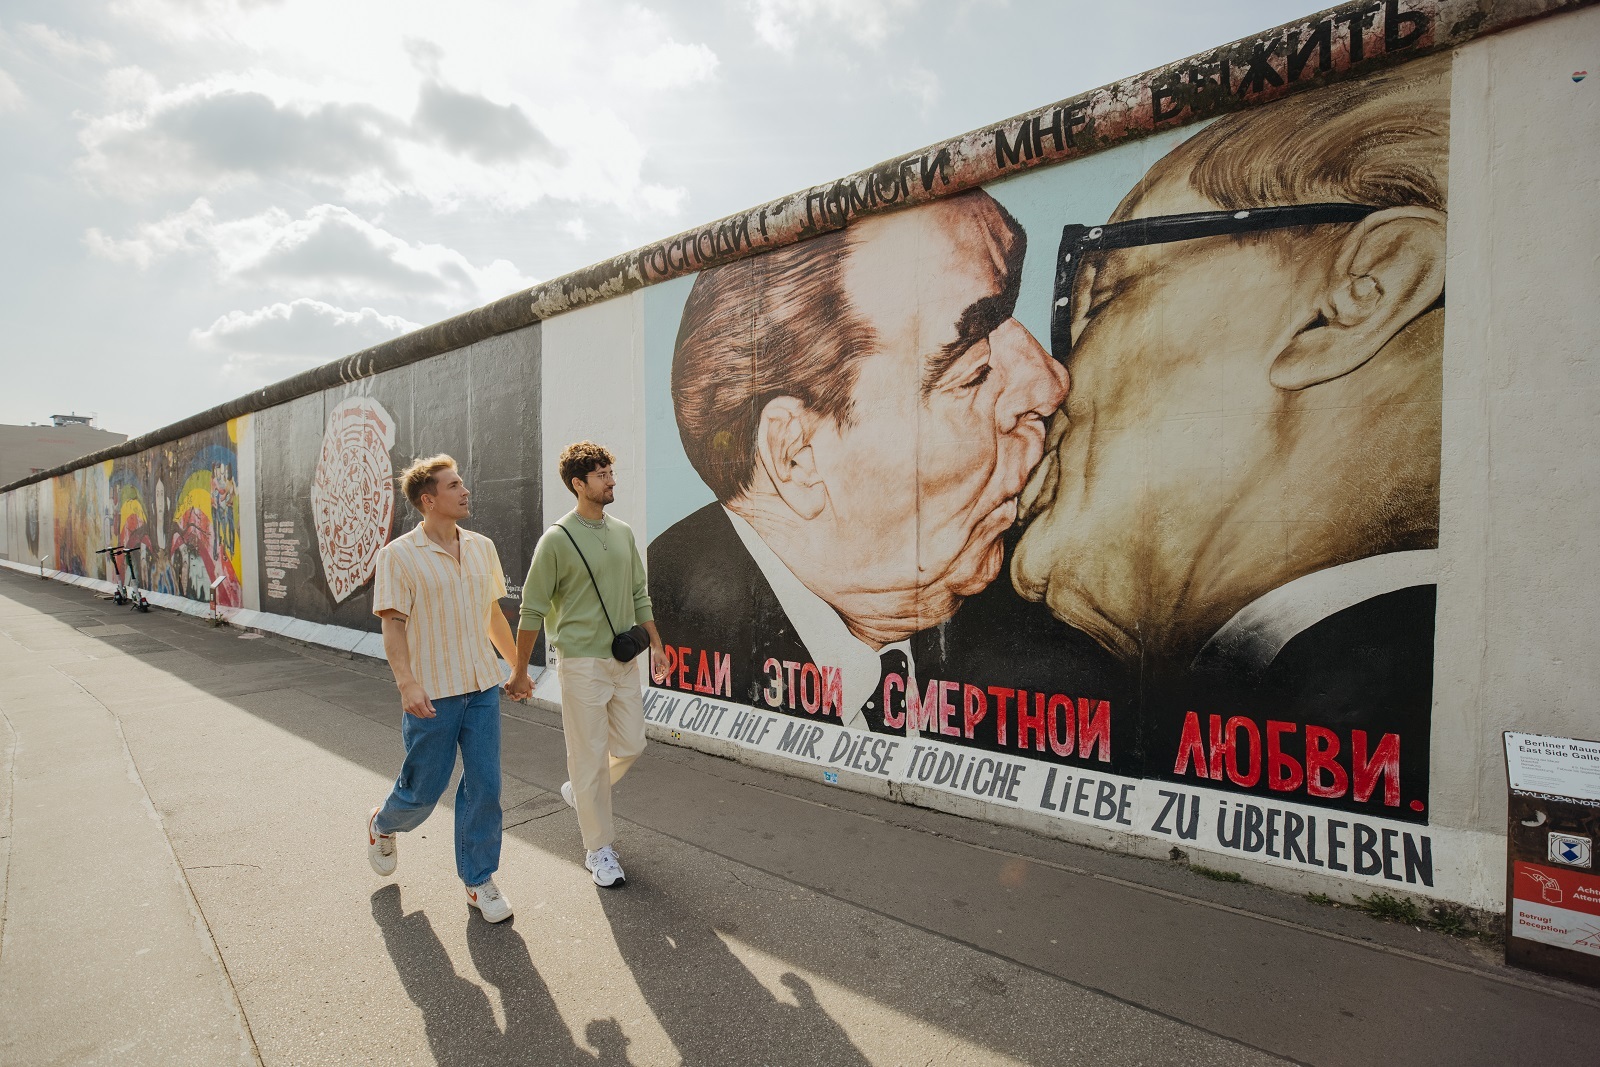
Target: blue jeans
x=472, y=722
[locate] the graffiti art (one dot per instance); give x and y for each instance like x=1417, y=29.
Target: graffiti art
x=352, y=493
x=1123, y=472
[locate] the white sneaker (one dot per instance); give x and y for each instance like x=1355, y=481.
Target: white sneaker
x=566, y=794
x=489, y=901
x=383, y=852
x=603, y=864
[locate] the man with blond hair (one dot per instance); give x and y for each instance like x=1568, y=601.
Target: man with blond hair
x=436, y=591
x=588, y=582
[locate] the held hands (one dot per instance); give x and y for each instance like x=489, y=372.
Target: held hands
x=520, y=686
x=415, y=701
x=659, y=667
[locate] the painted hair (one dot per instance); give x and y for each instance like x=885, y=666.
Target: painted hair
x=421, y=476
x=771, y=325
x=1383, y=141
x=579, y=460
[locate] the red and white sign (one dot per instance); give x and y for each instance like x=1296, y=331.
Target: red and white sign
x=1556, y=906
x=352, y=494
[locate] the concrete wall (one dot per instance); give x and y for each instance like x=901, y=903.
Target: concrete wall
x=1271, y=536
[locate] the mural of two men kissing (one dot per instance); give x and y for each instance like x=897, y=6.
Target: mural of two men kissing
x=1156, y=490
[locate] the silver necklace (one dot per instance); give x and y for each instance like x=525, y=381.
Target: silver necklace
x=599, y=531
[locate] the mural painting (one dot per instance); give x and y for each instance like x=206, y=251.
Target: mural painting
x=1108, y=492
x=178, y=504
x=352, y=493
x=328, y=496
x=82, y=520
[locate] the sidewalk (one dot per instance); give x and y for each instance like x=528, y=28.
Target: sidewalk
x=186, y=882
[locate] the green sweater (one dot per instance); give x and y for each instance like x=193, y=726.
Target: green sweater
x=558, y=591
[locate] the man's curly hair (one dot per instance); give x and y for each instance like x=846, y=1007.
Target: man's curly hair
x=580, y=459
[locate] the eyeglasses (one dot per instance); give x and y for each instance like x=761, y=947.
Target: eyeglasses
x=1077, y=241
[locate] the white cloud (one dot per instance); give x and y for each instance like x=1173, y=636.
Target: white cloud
x=219, y=133
x=330, y=250
x=11, y=97
x=577, y=229
x=272, y=342
x=779, y=23
x=64, y=47
x=371, y=101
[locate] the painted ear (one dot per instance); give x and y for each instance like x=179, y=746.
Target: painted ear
x=1388, y=270
x=783, y=448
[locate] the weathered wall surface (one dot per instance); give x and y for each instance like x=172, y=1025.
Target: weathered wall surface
x=1521, y=476
x=328, y=462
x=1227, y=487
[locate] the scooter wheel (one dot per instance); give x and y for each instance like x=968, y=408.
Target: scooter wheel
x=117, y=599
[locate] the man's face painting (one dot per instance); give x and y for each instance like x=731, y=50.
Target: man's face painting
x=948, y=413
x=1170, y=413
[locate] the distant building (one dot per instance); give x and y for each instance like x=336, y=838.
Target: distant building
x=26, y=450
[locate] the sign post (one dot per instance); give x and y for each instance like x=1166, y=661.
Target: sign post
x=1552, y=882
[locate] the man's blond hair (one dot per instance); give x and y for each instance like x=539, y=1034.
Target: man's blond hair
x=422, y=477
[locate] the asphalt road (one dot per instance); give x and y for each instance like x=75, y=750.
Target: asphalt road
x=181, y=835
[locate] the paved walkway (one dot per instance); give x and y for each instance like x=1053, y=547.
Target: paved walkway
x=186, y=883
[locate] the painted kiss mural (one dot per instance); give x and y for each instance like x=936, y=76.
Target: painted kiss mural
x=1109, y=491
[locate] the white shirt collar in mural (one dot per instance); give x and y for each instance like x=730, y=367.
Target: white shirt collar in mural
x=820, y=629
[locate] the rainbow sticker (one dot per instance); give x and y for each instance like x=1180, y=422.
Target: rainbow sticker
x=1579, y=75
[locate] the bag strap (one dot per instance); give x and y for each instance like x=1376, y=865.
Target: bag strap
x=597, y=593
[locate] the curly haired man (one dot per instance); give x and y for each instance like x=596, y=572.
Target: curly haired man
x=587, y=582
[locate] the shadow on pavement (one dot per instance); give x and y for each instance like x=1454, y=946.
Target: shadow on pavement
x=713, y=1008
x=456, y=1012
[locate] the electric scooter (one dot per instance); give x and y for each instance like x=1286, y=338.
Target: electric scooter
x=127, y=590
x=134, y=596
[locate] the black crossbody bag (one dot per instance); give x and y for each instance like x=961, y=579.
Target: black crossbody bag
x=627, y=645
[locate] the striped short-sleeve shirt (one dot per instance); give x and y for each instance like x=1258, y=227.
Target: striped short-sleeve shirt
x=447, y=606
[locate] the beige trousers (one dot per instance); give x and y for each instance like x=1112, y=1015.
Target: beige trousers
x=602, y=715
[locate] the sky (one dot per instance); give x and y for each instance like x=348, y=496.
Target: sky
x=200, y=197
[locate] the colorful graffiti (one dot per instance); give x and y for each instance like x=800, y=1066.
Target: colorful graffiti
x=82, y=523
x=177, y=504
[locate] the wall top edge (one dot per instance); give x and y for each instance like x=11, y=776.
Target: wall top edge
x=1336, y=43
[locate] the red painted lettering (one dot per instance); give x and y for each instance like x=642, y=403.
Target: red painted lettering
x=892, y=718
x=1322, y=746
x=833, y=691
x=1253, y=775
x=810, y=688
x=1190, y=747
x=974, y=707
x=1030, y=722
x=923, y=714
x=1283, y=771
x=1385, y=764
x=1002, y=697
x=947, y=708
x=1094, y=729
x=1060, y=720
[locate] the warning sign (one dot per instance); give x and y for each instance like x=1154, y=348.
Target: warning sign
x=1552, y=889
x=1556, y=907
